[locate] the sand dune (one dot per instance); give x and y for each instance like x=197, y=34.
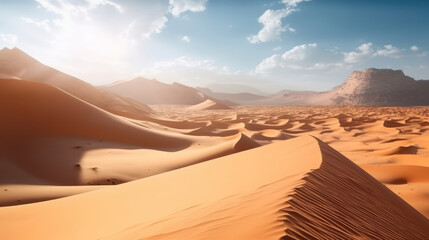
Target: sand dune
x=49, y=137
x=233, y=172
x=292, y=188
x=16, y=64
x=42, y=110
x=208, y=105
x=367, y=135
x=300, y=188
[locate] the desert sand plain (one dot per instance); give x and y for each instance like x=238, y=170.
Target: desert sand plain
x=77, y=162
x=390, y=143
x=290, y=186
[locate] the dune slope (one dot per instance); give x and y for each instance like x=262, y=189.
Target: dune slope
x=16, y=64
x=53, y=144
x=295, y=189
x=208, y=105
x=42, y=110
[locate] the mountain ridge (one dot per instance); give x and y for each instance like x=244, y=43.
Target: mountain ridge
x=385, y=87
x=371, y=86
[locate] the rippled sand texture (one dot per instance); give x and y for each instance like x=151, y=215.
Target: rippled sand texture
x=391, y=143
x=188, y=173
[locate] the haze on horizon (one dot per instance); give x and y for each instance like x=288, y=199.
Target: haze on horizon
x=269, y=45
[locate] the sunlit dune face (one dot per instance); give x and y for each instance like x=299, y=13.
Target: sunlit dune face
x=205, y=119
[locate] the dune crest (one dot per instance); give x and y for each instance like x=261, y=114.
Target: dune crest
x=16, y=64
x=228, y=173
x=208, y=105
x=46, y=128
x=306, y=194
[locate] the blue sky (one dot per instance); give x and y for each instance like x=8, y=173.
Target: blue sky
x=270, y=45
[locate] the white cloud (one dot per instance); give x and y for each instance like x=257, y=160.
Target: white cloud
x=293, y=3
x=67, y=8
x=9, y=39
x=303, y=56
x=414, y=48
x=303, y=67
x=298, y=53
x=45, y=24
x=313, y=65
x=95, y=39
x=363, y=51
x=366, y=51
x=178, y=7
x=156, y=27
x=186, y=39
x=187, y=62
x=202, y=72
x=96, y=3
x=53, y=7
x=272, y=26
x=272, y=23
x=188, y=70
x=268, y=63
x=388, y=51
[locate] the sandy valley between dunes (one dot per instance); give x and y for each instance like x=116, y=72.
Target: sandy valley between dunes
x=239, y=173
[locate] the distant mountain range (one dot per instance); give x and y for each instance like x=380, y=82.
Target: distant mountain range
x=373, y=87
x=154, y=92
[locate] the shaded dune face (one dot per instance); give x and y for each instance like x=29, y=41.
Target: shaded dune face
x=46, y=131
x=302, y=189
x=42, y=110
x=342, y=201
x=49, y=137
x=208, y=171
x=16, y=64
x=375, y=138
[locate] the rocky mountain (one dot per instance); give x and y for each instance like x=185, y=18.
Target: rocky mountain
x=384, y=87
x=238, y=98
x=234, y=88
x=374, y=87
x=155, y=92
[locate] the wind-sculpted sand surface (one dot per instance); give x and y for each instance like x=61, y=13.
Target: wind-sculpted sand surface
x=390, y=143
x=187, y=173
